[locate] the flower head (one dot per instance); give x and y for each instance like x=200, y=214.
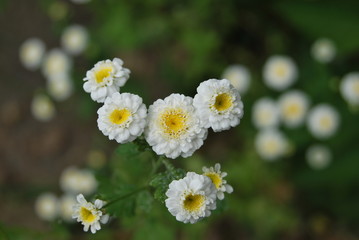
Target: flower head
x=42, y=108
x=60, y=86
x=191, y=198
x=218, y=104
x=74, y=39
x=56, y=62
x=323, y=50
x=105, y=78
x=239, y=76
x=89, y=214
x=271, y=144
x=122, y=117
x=265, y=113
x=46, y=206
x=349, y=88
x=323, y=121
x=217, y=178
x=75, y=181
x=31, y=53
x=174, y=128
x=318, y=156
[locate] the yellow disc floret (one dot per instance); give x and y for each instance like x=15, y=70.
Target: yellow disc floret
x=292, y=110
x=281, y=70
x=215, y=178
x=223, y=102
x=86, y=215
x=174, y=122
x=325, y=122
x=120, y=116
x=103, y=73
x=193, y=202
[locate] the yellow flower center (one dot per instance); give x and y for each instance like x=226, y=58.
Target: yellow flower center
x=215, y=178
x=291, y=110
x=325, y=122
x=271, y=146
x=223, y=102
x=119, y=116
x=281, y=70
x=174, y=122
x=193, y=202
x=103, y=73
x=86, y=215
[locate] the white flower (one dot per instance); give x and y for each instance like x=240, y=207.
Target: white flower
x=122, y=117
x=323, y=121
x=46, y=206
x=239, y=76
x=271, y=144
x=218, y=104
x=279, y=72
x=31, y=53
x=174, y=128
x=67, y=202
x=293, y=107
x=265, y=113
x=192, y=198
x=323, y=50
x=42, y=108
x=105, y=78
x=217, y=178
x=89, y=214
x=56, y=62
x=74, y=181
x=349, y=88
x=60, y=86
x=74, y=39
x=318, y=156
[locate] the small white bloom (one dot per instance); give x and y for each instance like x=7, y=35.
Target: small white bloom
x=271, y=144
x=349, y=88
x=31, y=53
x=174, y=128
x=217, y=178
x=293, y=107
x=239, y=76
x=323, y=50
x=46, y=206
x=74, y=39
x=56, y=62
x=74, y=181
x=192, y=198
x=318, y=156
x=218, y=104
x=323, y=121
x=67, y=202
x=265, y=113
x=279, y=72
x=60, y=86
x=122, y=117
x=42, y=108
x=105, y=78
x=89, y=214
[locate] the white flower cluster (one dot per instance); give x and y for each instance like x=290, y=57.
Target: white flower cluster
x=193, y=197
x=174, y=126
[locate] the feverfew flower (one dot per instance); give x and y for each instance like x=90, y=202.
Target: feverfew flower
x=42, y=108
x=122, y=117
x=265, y=113
x=60, y=86
x=74, y=39
x=271, y=144
x=75, y=181
x=89, y=214
x=105, y=78
x=323, y=121
x=218, y=104
x=239, y=76
x=279, y=72
x=56, y=62
x=323, y=50
x=217, y=178
x=349, y=88
x=46, y=206
x=31, y=53
x=318, y=156
x=174, y=128
x=293, y=107
x=192, y=198
x=66, y=204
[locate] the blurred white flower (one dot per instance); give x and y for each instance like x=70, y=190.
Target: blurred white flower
x=217, y=178
x=271, y=144
x=67, y=202
x=323, y=50
x=31, y=53
x=42, y=108
x=349, y=88
x=56, y=62
x=265, y=113
x=60, y=86
x=74, y=39
x=122, y=117
x=279, y=72
x=293, y=107
x=74, y=181
x=46, y=206
x=218, y=104
x=239, y=76
x=318, y=156
x=191, y=198
x=323, y=121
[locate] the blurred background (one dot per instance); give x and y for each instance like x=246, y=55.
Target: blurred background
x=294, y=169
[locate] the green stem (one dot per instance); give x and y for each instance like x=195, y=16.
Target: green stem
x=124, y=196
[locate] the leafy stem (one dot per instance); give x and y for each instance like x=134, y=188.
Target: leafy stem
x=125, y=196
